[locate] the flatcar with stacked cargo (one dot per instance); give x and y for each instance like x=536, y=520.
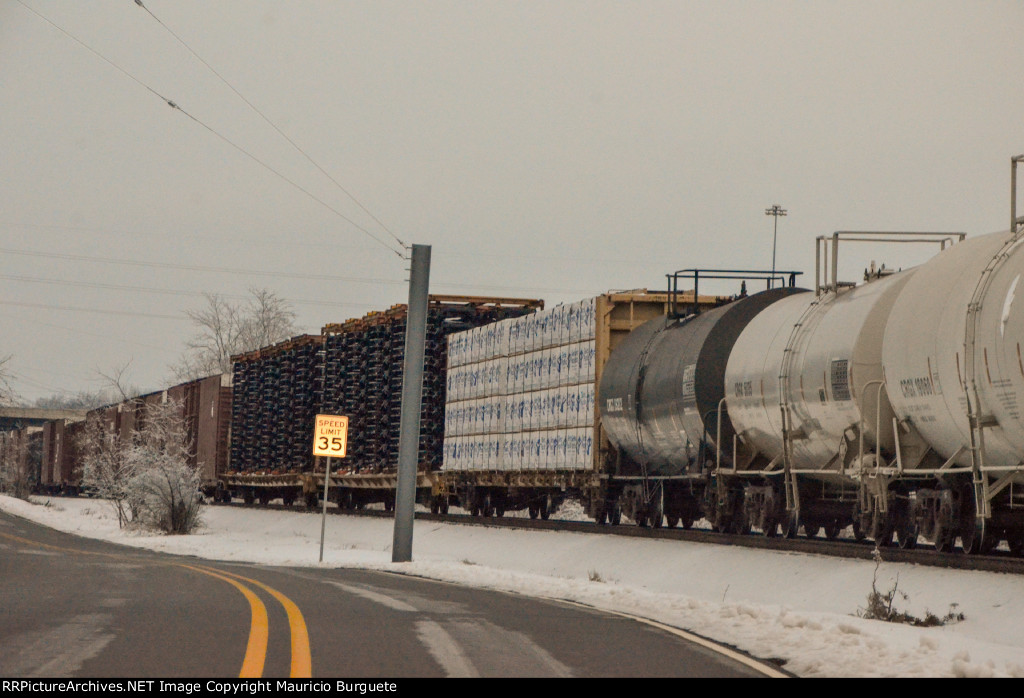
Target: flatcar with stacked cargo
x=353, y=369
x=523, y=425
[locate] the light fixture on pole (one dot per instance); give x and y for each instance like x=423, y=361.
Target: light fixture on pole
x=774, y=211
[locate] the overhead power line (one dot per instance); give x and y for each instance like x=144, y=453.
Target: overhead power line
x=175, y=106
x=198, y=267
x=270, y=123
x=164, y=291
x=94, y=310
x=440, y=283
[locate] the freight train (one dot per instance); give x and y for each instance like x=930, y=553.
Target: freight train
x=890, y=407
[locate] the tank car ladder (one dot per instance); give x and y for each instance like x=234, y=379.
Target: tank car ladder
x=977, y=421
x=796, y=336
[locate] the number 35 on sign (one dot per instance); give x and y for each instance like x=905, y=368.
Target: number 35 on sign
x=330, y=435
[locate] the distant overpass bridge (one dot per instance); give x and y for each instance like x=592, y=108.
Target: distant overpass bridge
x=18, y=417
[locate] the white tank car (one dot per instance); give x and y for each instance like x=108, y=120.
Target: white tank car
x=931, y=337
x=824, y=354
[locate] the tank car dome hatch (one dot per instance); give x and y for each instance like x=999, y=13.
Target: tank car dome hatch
x=661, y=387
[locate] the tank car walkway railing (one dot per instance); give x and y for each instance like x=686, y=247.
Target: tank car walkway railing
x=695, y=275
x=825, y=282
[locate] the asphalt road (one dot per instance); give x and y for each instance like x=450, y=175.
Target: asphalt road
x=75, y=607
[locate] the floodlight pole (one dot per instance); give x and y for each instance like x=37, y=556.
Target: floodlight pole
x=774, y=211
x=412, y=397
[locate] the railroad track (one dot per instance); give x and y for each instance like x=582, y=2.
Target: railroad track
x=998, y=561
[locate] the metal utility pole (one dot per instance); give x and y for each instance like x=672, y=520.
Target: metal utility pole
x=1015, y=222
x=412, y=396
x=774, y=211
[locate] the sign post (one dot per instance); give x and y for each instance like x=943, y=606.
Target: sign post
x=330, y=439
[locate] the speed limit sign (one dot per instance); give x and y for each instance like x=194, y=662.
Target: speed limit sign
x=330, y=435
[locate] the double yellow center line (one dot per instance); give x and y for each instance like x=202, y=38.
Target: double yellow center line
x=259, y=630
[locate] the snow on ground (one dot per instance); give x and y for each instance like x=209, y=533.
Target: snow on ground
x=796, y=607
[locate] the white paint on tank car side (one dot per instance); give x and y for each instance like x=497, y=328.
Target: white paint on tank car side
x=834, y=345
x=924, y=351
x=1007, y=303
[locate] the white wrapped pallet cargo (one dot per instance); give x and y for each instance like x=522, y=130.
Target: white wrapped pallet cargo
x=501, y=375
x=588, y=319
x=588, y=362
x=552, y=367
x=562, y=407
x=587, y=401
x=559, y=449
x=551, y=443
x=498, y=459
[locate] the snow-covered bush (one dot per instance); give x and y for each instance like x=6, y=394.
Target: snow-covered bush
x=145, y=475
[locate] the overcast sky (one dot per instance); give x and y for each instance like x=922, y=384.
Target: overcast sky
x=549, y=150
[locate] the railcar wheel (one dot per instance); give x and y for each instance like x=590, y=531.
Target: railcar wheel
x=534, y=511
x=486, y=507
x=944, y=538
x=740, y=525
x=671, y=520
x=615, y=515
x=832, y=531
x=546, y=507
x=687, y=522
x=881, y=530
x=859, y=534
x=790, y=526
x=655, y=516
x=906, y=536
x=813, y=530
x=1015, y=539
x=977, y=539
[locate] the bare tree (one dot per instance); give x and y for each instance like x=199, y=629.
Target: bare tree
x=82, y=400
x=7, y=394
x=118, y=385
x=224, y=329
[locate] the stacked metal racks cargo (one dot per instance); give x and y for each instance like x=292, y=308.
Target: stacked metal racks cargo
x=353, y=369
x=363, y=381
x=276, y=395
